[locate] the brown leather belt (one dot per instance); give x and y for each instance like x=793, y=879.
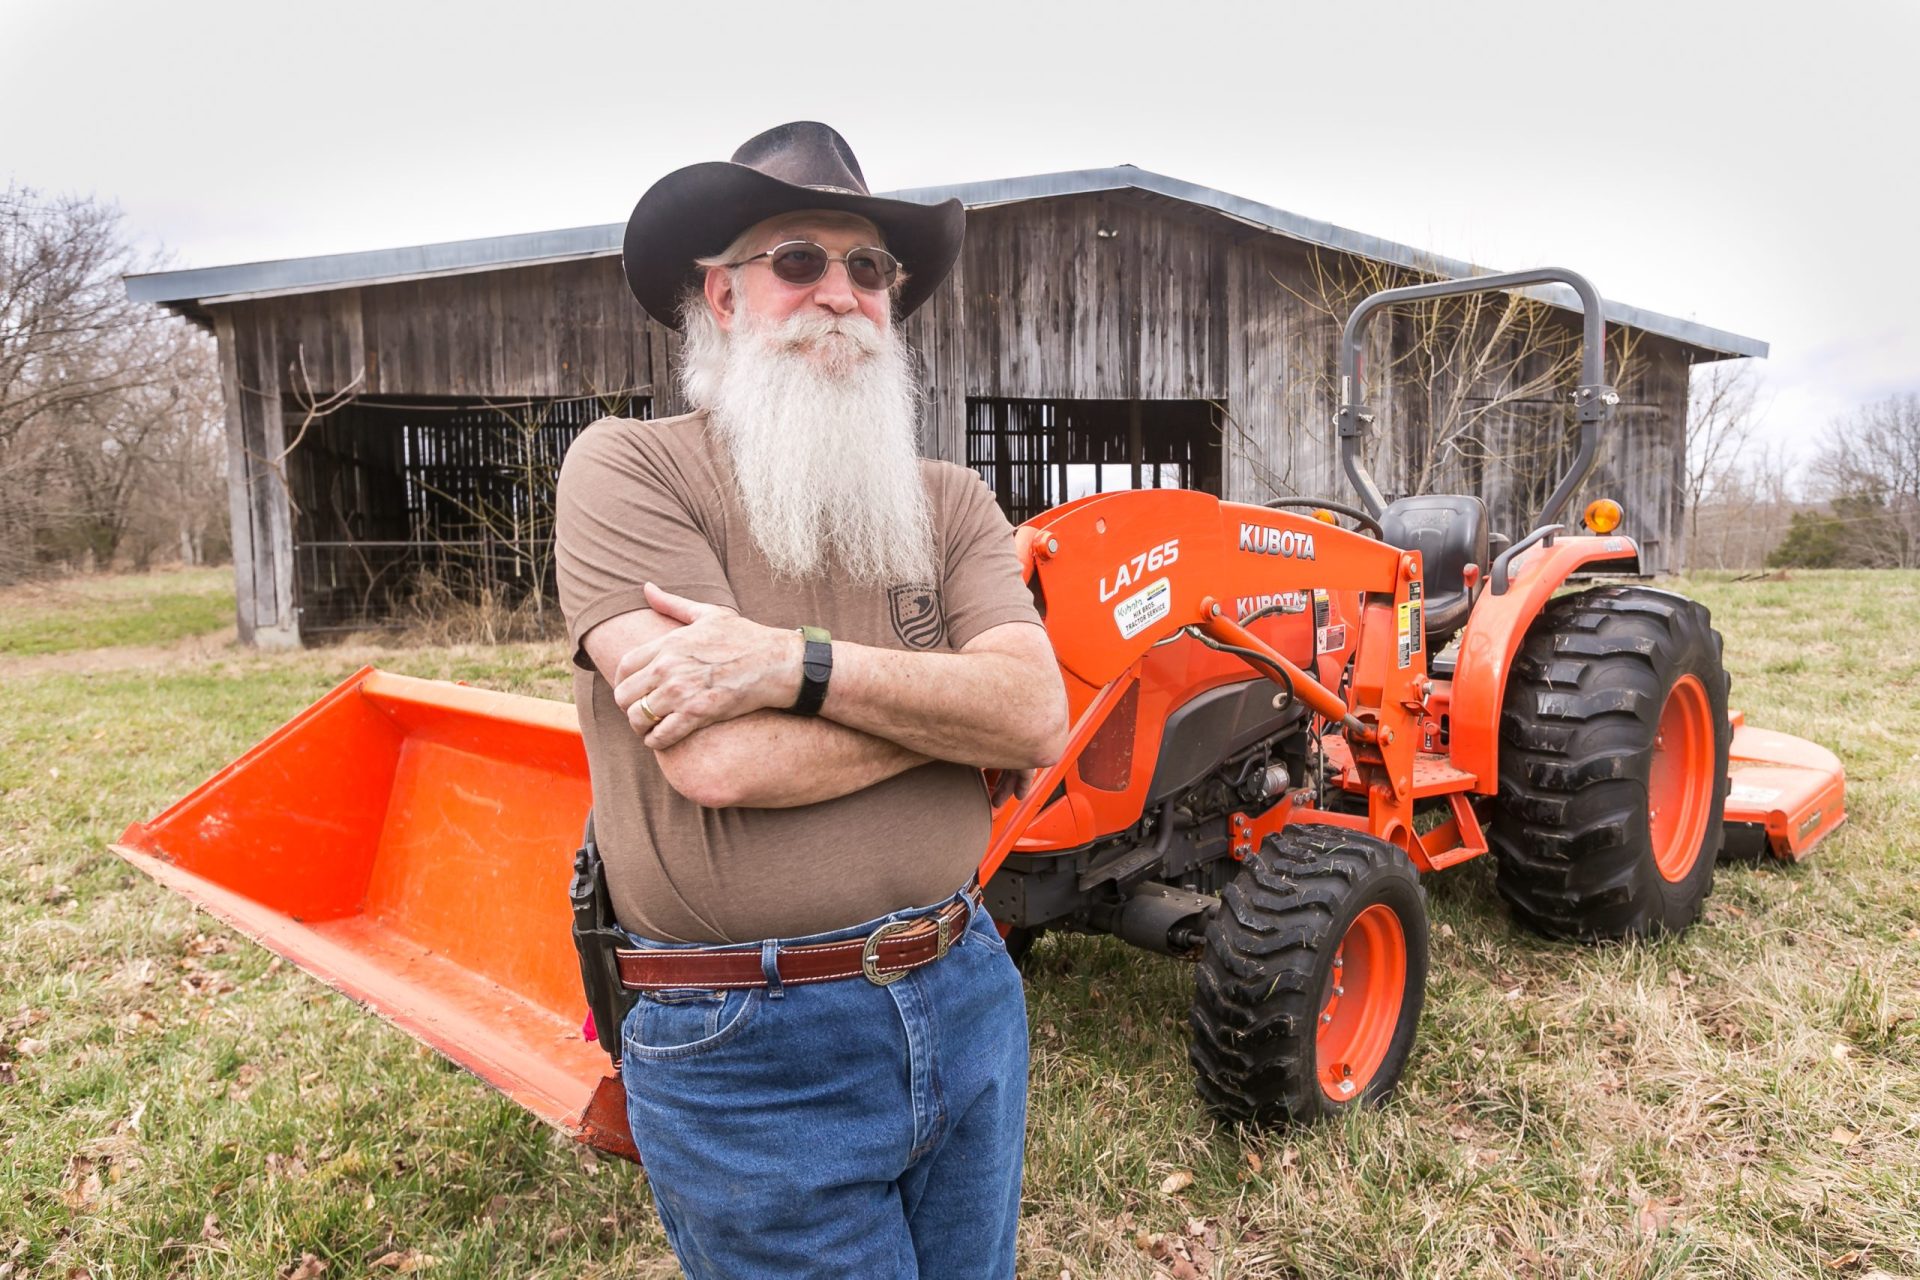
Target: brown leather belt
x=888, y=954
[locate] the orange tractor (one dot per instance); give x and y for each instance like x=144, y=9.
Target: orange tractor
x=1279, y=725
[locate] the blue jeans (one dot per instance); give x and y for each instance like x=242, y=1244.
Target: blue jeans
x=838, y=1128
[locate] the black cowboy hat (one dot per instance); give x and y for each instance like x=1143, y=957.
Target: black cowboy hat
x=697, y=211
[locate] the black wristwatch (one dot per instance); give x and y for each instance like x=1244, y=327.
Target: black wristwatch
x=816, y=664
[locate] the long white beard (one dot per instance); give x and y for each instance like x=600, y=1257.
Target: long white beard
x=820, y=417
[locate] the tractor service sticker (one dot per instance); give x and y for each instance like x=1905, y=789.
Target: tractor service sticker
x=1143, y=608
x=1330, y=639
x=1411, y=628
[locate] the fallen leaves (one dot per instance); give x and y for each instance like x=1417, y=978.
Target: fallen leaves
x=80, y=1185
x=196, y=980
x=138, y=973
x=406, y=1261
x=245, y=1077
x=284, y=1168
x=1843, y=1136
x=1187, y=1254
x=308, y=1268
x=102, y=1161
x=1176, y=1182
x=1654, y=1215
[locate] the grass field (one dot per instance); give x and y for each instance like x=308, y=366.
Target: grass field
x=1744, y=1100
x=114, y=610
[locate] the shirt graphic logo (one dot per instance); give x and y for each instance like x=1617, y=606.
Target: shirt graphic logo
x=916, y=615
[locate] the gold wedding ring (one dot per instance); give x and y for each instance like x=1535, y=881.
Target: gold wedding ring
x=653, y=717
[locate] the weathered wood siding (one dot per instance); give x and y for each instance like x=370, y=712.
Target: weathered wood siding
x=1120, y=295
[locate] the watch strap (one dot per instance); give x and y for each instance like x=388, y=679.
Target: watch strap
x=816, y=665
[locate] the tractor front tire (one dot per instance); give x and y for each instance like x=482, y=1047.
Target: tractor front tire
x=1311, y=981
x=1613, y=766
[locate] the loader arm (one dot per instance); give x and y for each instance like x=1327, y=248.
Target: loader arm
x=1122, y=572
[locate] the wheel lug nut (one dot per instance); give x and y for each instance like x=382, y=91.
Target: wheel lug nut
x=1339, y=990
x=1326, y=1017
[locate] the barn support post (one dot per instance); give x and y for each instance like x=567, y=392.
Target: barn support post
x=256, y=493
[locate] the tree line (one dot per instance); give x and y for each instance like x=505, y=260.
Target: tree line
x=112, y=445
x=1852, y=503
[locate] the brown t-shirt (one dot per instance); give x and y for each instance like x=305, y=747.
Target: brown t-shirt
x=655, y=502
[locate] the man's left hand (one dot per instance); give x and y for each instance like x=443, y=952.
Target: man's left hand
x=716, y=666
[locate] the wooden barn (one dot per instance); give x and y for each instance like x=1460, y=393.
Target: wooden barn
x=396, y=418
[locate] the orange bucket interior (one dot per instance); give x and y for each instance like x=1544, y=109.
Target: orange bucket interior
x=410, y=843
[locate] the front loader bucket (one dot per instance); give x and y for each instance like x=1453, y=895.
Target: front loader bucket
x=409, y=842
x=1785, y=794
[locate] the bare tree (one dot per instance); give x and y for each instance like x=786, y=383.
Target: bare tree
x=180, y=505
x=1720, y=423
x=1746, y=512
x=88, y=381
x=1872, y=467
x=1481, y=384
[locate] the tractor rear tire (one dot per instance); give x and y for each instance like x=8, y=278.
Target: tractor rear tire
x=1613, y=766
x=1312, y=978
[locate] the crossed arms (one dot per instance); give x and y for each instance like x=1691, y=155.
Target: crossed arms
x=717, y=679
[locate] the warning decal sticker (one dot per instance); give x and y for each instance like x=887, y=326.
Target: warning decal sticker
x=1143, y=608
x=1742, y=793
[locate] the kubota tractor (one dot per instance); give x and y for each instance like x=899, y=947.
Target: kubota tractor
x=1279, y=725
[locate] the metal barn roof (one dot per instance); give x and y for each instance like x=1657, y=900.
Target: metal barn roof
x=188, y=293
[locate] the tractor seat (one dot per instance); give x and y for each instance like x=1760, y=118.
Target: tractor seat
x=1450, y=533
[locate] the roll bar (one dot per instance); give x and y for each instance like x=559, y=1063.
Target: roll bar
x=1593, y=399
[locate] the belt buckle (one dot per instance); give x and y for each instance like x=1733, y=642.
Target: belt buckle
x=870, y=954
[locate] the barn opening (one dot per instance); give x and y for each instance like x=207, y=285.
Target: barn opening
x=1036, y=454
x=396, y=496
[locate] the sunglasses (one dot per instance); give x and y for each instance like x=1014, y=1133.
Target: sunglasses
x=803, y=262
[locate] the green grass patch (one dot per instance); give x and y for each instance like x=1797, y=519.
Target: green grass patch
x=1742, y=1100
x=115, y=610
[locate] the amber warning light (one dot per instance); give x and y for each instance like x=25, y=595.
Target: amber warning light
x=1603, y=515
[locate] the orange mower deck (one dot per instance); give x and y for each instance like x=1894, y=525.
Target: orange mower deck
x=1793, y=788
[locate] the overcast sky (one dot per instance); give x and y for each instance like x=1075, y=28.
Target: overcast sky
x=1753, y=168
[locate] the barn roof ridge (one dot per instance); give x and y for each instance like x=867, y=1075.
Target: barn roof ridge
x=188, y=291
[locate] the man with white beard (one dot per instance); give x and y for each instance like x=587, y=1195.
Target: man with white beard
x=797, y=645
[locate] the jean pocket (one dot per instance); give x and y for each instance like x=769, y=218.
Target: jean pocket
x=981, y=924
x=683, y=1023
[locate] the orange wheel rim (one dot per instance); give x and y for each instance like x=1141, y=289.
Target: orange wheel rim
x=1680, y=780
x=1363, y=1003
